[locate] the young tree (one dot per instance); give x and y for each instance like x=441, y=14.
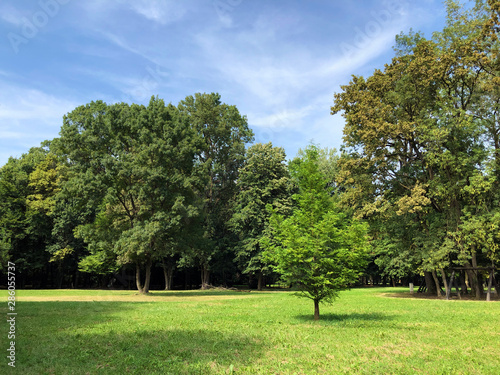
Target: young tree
x=263, y=180
x=318, y=248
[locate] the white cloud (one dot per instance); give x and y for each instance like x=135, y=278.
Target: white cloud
x=28, y=117
x=11, y=15
x=18, y=104
x=289, y=86
x=163, y=12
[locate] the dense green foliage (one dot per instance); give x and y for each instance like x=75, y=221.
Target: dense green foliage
x=422, y=150
x=263, y=180
x=223, y=133
x=318, y=248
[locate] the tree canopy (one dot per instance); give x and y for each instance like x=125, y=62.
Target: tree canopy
x=317, y=248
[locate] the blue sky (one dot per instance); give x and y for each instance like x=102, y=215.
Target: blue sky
x=279, y=62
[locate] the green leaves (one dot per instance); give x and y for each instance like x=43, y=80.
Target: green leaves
x=263, y=182
x=317, y=248
x=136, y=164
x=421, y=142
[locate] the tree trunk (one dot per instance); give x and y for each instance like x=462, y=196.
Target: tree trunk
x=148, y=276
x=477, y=280
x=436, y=281
x=463, y=284
x=495, y=283
x=76, y=279
x=450, y=285
x=490, y=281
x=205, y=276
x=316, y=310
x=168, y=272
x=59, y=277
x=456, y=286
x=445, y=283
x=260, y=281
x=429, y=282
x=138, y=277
x=471, y=281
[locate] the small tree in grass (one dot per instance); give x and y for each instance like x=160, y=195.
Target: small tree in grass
x=318, y=248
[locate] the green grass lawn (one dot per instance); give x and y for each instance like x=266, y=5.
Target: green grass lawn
x=221, y=332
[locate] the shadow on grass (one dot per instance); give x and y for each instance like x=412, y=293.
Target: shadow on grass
x=199, y=293
x=349, y=317
x=91, y=338
x=174, y=351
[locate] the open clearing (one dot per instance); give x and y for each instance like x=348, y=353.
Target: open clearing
x=223, y=332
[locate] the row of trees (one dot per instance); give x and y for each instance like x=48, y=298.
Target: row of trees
x=126, y=184
x=158, y=185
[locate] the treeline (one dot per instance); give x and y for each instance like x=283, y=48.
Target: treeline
x=175, y=194
x=131, y=191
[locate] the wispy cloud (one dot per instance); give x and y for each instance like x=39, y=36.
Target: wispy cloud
x=10, y=15
x=28, y=117
x=162, y=12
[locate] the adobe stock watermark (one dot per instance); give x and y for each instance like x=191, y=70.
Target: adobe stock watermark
x=378, y=22
x=224, y=8
x=30, y=27
x=11, y=315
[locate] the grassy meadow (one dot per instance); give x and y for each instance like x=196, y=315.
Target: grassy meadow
x=366, y=331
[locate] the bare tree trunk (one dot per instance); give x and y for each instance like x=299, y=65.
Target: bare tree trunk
x=477, y=279
x=260, y=281
x=445, y=283
x=148, y=276
x=205, y=276
x=138, y=277
x=490, y=281
x=429, y=282
x=76, y=278
x=495, y=283
x=456, y=285
x=436, y=281
x=450, y=285
x=463, y=284
x=168, y=272
x=471, y=279
x=316, y=310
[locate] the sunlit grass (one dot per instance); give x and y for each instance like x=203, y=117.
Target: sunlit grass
x=217, y=332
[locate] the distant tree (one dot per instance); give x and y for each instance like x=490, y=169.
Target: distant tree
x=263, y=180
x=318, y=248
x=223, y=133
x=25, y=226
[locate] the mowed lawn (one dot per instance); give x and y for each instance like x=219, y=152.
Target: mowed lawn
x=224, y=332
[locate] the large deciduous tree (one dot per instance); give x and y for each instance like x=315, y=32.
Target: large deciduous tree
x=421, y=142
x=223, y=133
x=263, y=180
x=135, y=163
